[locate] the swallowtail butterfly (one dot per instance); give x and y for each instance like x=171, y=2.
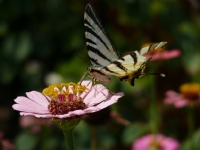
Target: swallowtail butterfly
x=105, y=59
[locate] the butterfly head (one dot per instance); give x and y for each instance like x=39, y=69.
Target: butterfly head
x=89, y=69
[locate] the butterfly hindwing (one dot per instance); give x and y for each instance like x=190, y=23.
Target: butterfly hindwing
x=152, y=47
x=133, y=65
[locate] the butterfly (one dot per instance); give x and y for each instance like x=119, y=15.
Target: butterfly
x=105, y=60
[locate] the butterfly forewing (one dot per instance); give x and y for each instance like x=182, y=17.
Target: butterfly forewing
x=100, y=49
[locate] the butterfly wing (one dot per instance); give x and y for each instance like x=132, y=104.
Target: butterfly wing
x=105, y=59
x=159, y=45
x=100, y=50
x=133, y=65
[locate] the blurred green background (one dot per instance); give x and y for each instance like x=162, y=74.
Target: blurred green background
x=39, y=43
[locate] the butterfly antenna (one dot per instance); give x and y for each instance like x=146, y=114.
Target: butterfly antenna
x=157, y=74
x=80, y=57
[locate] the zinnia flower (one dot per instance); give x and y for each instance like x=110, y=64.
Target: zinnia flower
x=66, y=100
x=161, y=54
x=5, y=144
x=189, y=95
x=158, y=142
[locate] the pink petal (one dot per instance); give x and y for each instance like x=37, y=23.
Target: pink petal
x=69, y=114
x=38, y=98
x=37, y=115
x=92, y=109
x=98, y=98
x=172, y=54
x=72, y=113
x=88, y=84
x=170, y=144
x=143, y=143
x=78, y=112
x=165, y=54
x=25, y=108
x=172, y=96
x=181, y=103
x=95, y=95
x=176, y=99
x=171, y=93
x=25, y=101
x=27, y=121
x=37, y=105
x=113, y=99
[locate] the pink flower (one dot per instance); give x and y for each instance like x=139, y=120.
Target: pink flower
x=158, y=141
x=5, y=144
x=66, y=100
x=190, y=95
x=35, y=124
x=160, y=54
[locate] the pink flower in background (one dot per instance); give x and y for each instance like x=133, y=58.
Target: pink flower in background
x=33, y=123
x=161, y=54
x=66, y=100
x=158, y=142
x=189, y=95
x=5, y=144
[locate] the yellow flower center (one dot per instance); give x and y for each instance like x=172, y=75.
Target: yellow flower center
x=190, y=90
x=65, y=97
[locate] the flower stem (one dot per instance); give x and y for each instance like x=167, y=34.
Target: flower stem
x=190, y=125
x=190, y=121
x=94, y=138
x=69, y=139
x=154, y=112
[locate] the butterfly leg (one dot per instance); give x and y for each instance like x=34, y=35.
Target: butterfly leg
x=83, y=77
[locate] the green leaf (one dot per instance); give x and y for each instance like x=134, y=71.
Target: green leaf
x=26, y=141
x=133, y=132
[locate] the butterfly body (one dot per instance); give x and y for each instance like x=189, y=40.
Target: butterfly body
x=98, y=75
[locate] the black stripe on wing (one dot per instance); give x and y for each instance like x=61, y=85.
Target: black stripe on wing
x=90, y=41
x=106, y=68
x=94, y=61
x=119, y=65
x=155, y=46
x=92, y=14
x=94, y=34
x=94, y=70
x=97, y=52
x=134, y=56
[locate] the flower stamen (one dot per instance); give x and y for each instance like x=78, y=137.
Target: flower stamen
x=65, y=98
